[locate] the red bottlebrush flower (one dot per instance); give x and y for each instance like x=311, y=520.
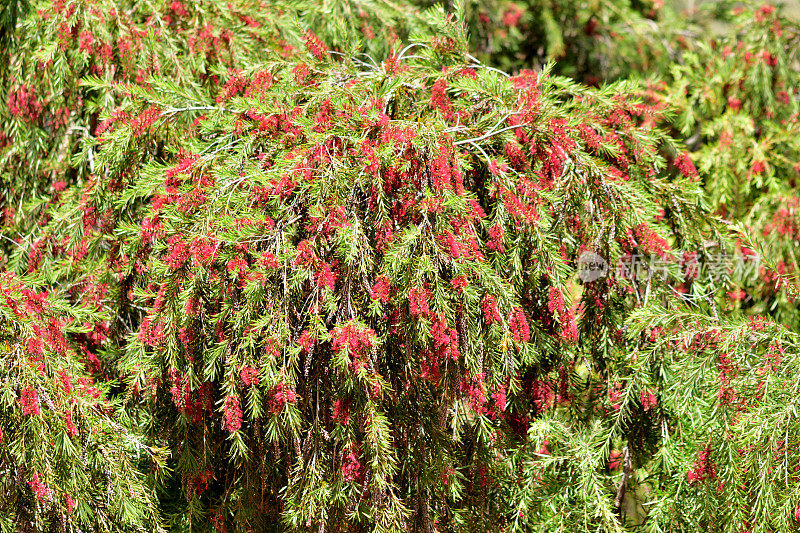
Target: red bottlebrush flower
x=178, y=9
x=86, y=40
x=268, y=261
x=418, y=301
x=769, y=59
x=281, y=394
x=301, y=74
x=476, y=211
x=351, y=465
x=306, y=341
x=569, y=326
x=648, y=399
x=498, y=403
x=191, y=201
x=249, y=376
x=774, y=356
x=555, y=301
x=233, y=87
x=439, y=98
x=496, y=236
x=305, y=255
x=767, y=9
x=356, y=340
x=151, y=334
x=66, y=381
x=518, y=324
x=511, y=16
x=734, y=103
x=152, y=230
x=444, y=339
x=542, y=394
x=237, y=267
x=192, y=306
x=233, y=414
x=491, y=313
x=496, y=169
x=326, y=278
x=29, y=399
x=70, y=504
x=23, y=103
x=315, y=45
x=737, y=295
x=398, y=135
x=142, y=123
x=459, y=284
x=685, y=166
x=545, y=448
x=474, y=388
x=380, y=290
x=704, y=467
x=341, y=411
x=649, y=241
x=72, y=431
x=614, y=459
x=39, y=489
x=35, y=347
x=757, y=168
x=179, y=252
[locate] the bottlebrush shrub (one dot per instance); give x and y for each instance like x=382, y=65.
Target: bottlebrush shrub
x=68, y=460
x=45, y=112
x=590, y=42
x=736, y=102
x=719, y=452
x=342, y=293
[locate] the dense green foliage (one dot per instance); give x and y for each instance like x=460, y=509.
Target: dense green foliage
x=381, y=266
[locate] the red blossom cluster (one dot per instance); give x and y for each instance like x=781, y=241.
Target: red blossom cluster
x=232, y=413
x=648, y=399
x=315, y=45
x=280, y=395
x=685, y=166
x=234, y=86
x=29, y=399
x=381, y=289
x=445, y=339
x=249, y=376
x=142, y=123
x=352, y=469
x=727, y=372
x=498, y=403
x=774, y=356
x=475, y=390
x=23, y=102
x=704, y=468
x=491, y=312
x=649, y=241
x=418, y=298
x=518, y=325
x=357, y=341
x=39, y=489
